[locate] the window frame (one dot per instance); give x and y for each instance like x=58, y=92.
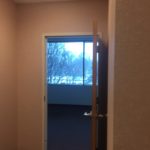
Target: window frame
x=77, y=38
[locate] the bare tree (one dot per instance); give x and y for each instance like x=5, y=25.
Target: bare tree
x=63, y=67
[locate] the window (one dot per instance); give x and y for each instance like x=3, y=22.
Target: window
x=69, y=60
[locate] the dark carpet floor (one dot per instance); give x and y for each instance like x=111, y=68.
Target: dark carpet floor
x=68, y=128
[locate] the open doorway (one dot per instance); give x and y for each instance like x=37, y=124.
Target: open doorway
x=69, y=92
x=69, y=78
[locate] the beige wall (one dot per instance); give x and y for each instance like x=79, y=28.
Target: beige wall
x=33, y=21
x=8, y=101
x=132, y=76
x=131, y=85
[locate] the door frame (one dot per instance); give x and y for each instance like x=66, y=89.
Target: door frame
x=111, y=72
x=44, y=81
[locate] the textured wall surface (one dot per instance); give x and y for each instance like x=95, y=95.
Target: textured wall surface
x=8, y=101
x=34, y=20
x=132, y=76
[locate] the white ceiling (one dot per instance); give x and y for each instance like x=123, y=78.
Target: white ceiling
x=37, y=1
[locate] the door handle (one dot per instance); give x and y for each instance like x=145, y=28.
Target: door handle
x=90, y=115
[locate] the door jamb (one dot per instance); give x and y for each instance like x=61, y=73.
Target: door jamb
x=44, y=82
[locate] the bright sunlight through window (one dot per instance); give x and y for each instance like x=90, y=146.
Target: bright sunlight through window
x=69, y=62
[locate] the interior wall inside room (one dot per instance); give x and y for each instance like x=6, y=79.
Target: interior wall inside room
x=69, y=94
x=132, y=76
x=33, y=21
x=8, y=101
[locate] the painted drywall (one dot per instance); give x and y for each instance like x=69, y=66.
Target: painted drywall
x=33, y=21
x=111, y=67
x=8, y=101
x=69, y=94
x=132, y=76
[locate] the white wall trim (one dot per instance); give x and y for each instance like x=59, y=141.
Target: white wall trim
x=44, y=95
x=70, y=34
